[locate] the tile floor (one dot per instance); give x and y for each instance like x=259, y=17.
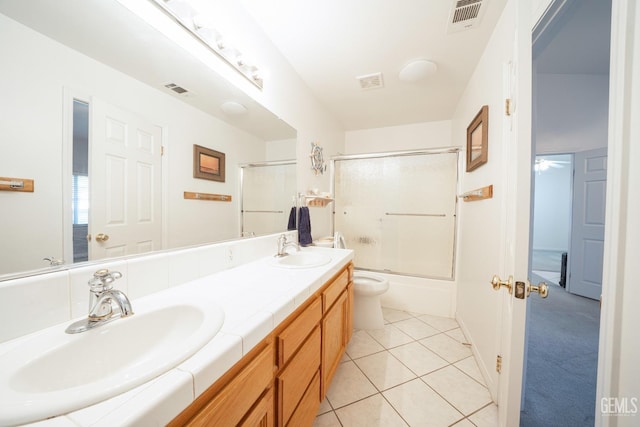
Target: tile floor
x=415, y=372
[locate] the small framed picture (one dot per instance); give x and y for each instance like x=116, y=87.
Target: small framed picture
x=208, y=164
x=478, y=140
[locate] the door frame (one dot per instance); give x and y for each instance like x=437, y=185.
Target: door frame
x=620, y=95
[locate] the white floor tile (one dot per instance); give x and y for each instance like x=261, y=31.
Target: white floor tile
x=384, y=370
x=390, y=336
x=463, y=423
x=446, y=347
x=457, y=335
x=391, y=315
x=418, y=358
x=349, y=384
x=415, y=328
x=362, y=344
x=464, y=393
x=486, y=417
x=470, y=367
x=419, y=405
x=440, y=323
x=373, y=411
x=325, y=406
x=327, y=420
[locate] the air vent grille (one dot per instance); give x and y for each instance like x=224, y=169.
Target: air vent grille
x=465, y=14
x=371, y=81
x=177, y=89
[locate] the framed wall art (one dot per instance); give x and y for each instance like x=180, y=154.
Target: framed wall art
x=478, y=140
x=208, y=164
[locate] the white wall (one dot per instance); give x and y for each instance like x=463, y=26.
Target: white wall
x=571, y=112
x=480, y=223
x=397, y=138
x=31, y=134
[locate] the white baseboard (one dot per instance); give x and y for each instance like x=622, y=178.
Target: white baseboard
x=484, y=369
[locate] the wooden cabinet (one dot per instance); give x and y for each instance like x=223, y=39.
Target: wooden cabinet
x=294, y=379
x=232, y=397
x=283, y=380
x=333, y=339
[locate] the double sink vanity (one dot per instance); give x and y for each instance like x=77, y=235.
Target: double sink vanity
x=257, y=344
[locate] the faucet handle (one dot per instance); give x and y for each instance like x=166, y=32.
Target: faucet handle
x=103, y=280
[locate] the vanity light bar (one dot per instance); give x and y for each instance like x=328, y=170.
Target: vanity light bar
x=187, y=17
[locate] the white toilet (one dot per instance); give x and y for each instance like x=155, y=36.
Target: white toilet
x=367, y=312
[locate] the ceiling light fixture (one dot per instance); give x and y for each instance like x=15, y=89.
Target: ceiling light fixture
x=233, y=108
x=417, y=70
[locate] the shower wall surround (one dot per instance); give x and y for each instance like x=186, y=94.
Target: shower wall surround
x=33, y=303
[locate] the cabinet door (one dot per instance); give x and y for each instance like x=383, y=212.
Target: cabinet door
x=294, y=380
x=262, y=415
x=334, y=338
x=307, y=409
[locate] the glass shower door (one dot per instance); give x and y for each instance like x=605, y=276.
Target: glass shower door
x=398, y=212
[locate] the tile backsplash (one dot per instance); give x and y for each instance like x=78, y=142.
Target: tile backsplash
x=32, y=303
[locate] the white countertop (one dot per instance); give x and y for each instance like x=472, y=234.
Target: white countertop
x=256, y=297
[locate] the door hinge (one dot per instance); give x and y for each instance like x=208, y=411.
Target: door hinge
x=507, y=106
x=162, y=150
x=498, y=363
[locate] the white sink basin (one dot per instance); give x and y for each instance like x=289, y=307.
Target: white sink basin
x=301, y=259
x=52, y=373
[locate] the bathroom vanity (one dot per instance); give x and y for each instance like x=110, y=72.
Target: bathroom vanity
x=285, y=377
x=286, y=323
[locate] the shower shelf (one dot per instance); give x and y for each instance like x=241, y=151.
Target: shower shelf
x=316, y=201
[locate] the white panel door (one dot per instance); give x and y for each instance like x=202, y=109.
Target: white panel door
x=125, y=183
x=587, y=226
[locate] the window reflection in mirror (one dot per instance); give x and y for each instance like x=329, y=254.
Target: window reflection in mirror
x=80, y=190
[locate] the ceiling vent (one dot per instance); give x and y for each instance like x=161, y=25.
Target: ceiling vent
x=371, y=81
x=465, y=14
x=177, y=89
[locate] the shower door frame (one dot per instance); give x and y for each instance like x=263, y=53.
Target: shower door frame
x=401, y=153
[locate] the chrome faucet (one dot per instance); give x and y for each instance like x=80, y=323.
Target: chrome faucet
x=102, y=298
x=283, y=244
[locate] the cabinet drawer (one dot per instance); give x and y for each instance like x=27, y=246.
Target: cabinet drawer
x=237, y=397
x=289, y=340
x=307, y=410
x=295, y=378
x=333, y=291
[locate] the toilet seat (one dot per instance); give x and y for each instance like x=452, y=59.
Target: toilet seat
x=364, y=284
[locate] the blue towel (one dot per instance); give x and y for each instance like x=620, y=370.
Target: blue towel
x=304, y=227
x=292, y=219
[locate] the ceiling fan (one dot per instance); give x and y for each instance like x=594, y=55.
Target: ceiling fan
x=543, y=164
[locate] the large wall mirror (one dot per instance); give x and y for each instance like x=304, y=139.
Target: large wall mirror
x=102, y=112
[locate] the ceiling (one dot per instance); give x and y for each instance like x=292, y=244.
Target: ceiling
x=331, y=42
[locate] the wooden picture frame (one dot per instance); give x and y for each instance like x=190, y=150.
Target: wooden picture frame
x=478, y=140
x=208, y=164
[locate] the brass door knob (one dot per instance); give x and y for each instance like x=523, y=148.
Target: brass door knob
x=102, y=237
x=497, y=283
x=540, y=288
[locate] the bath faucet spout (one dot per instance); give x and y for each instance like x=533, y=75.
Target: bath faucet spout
x=283, y=245
x=102, y=301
